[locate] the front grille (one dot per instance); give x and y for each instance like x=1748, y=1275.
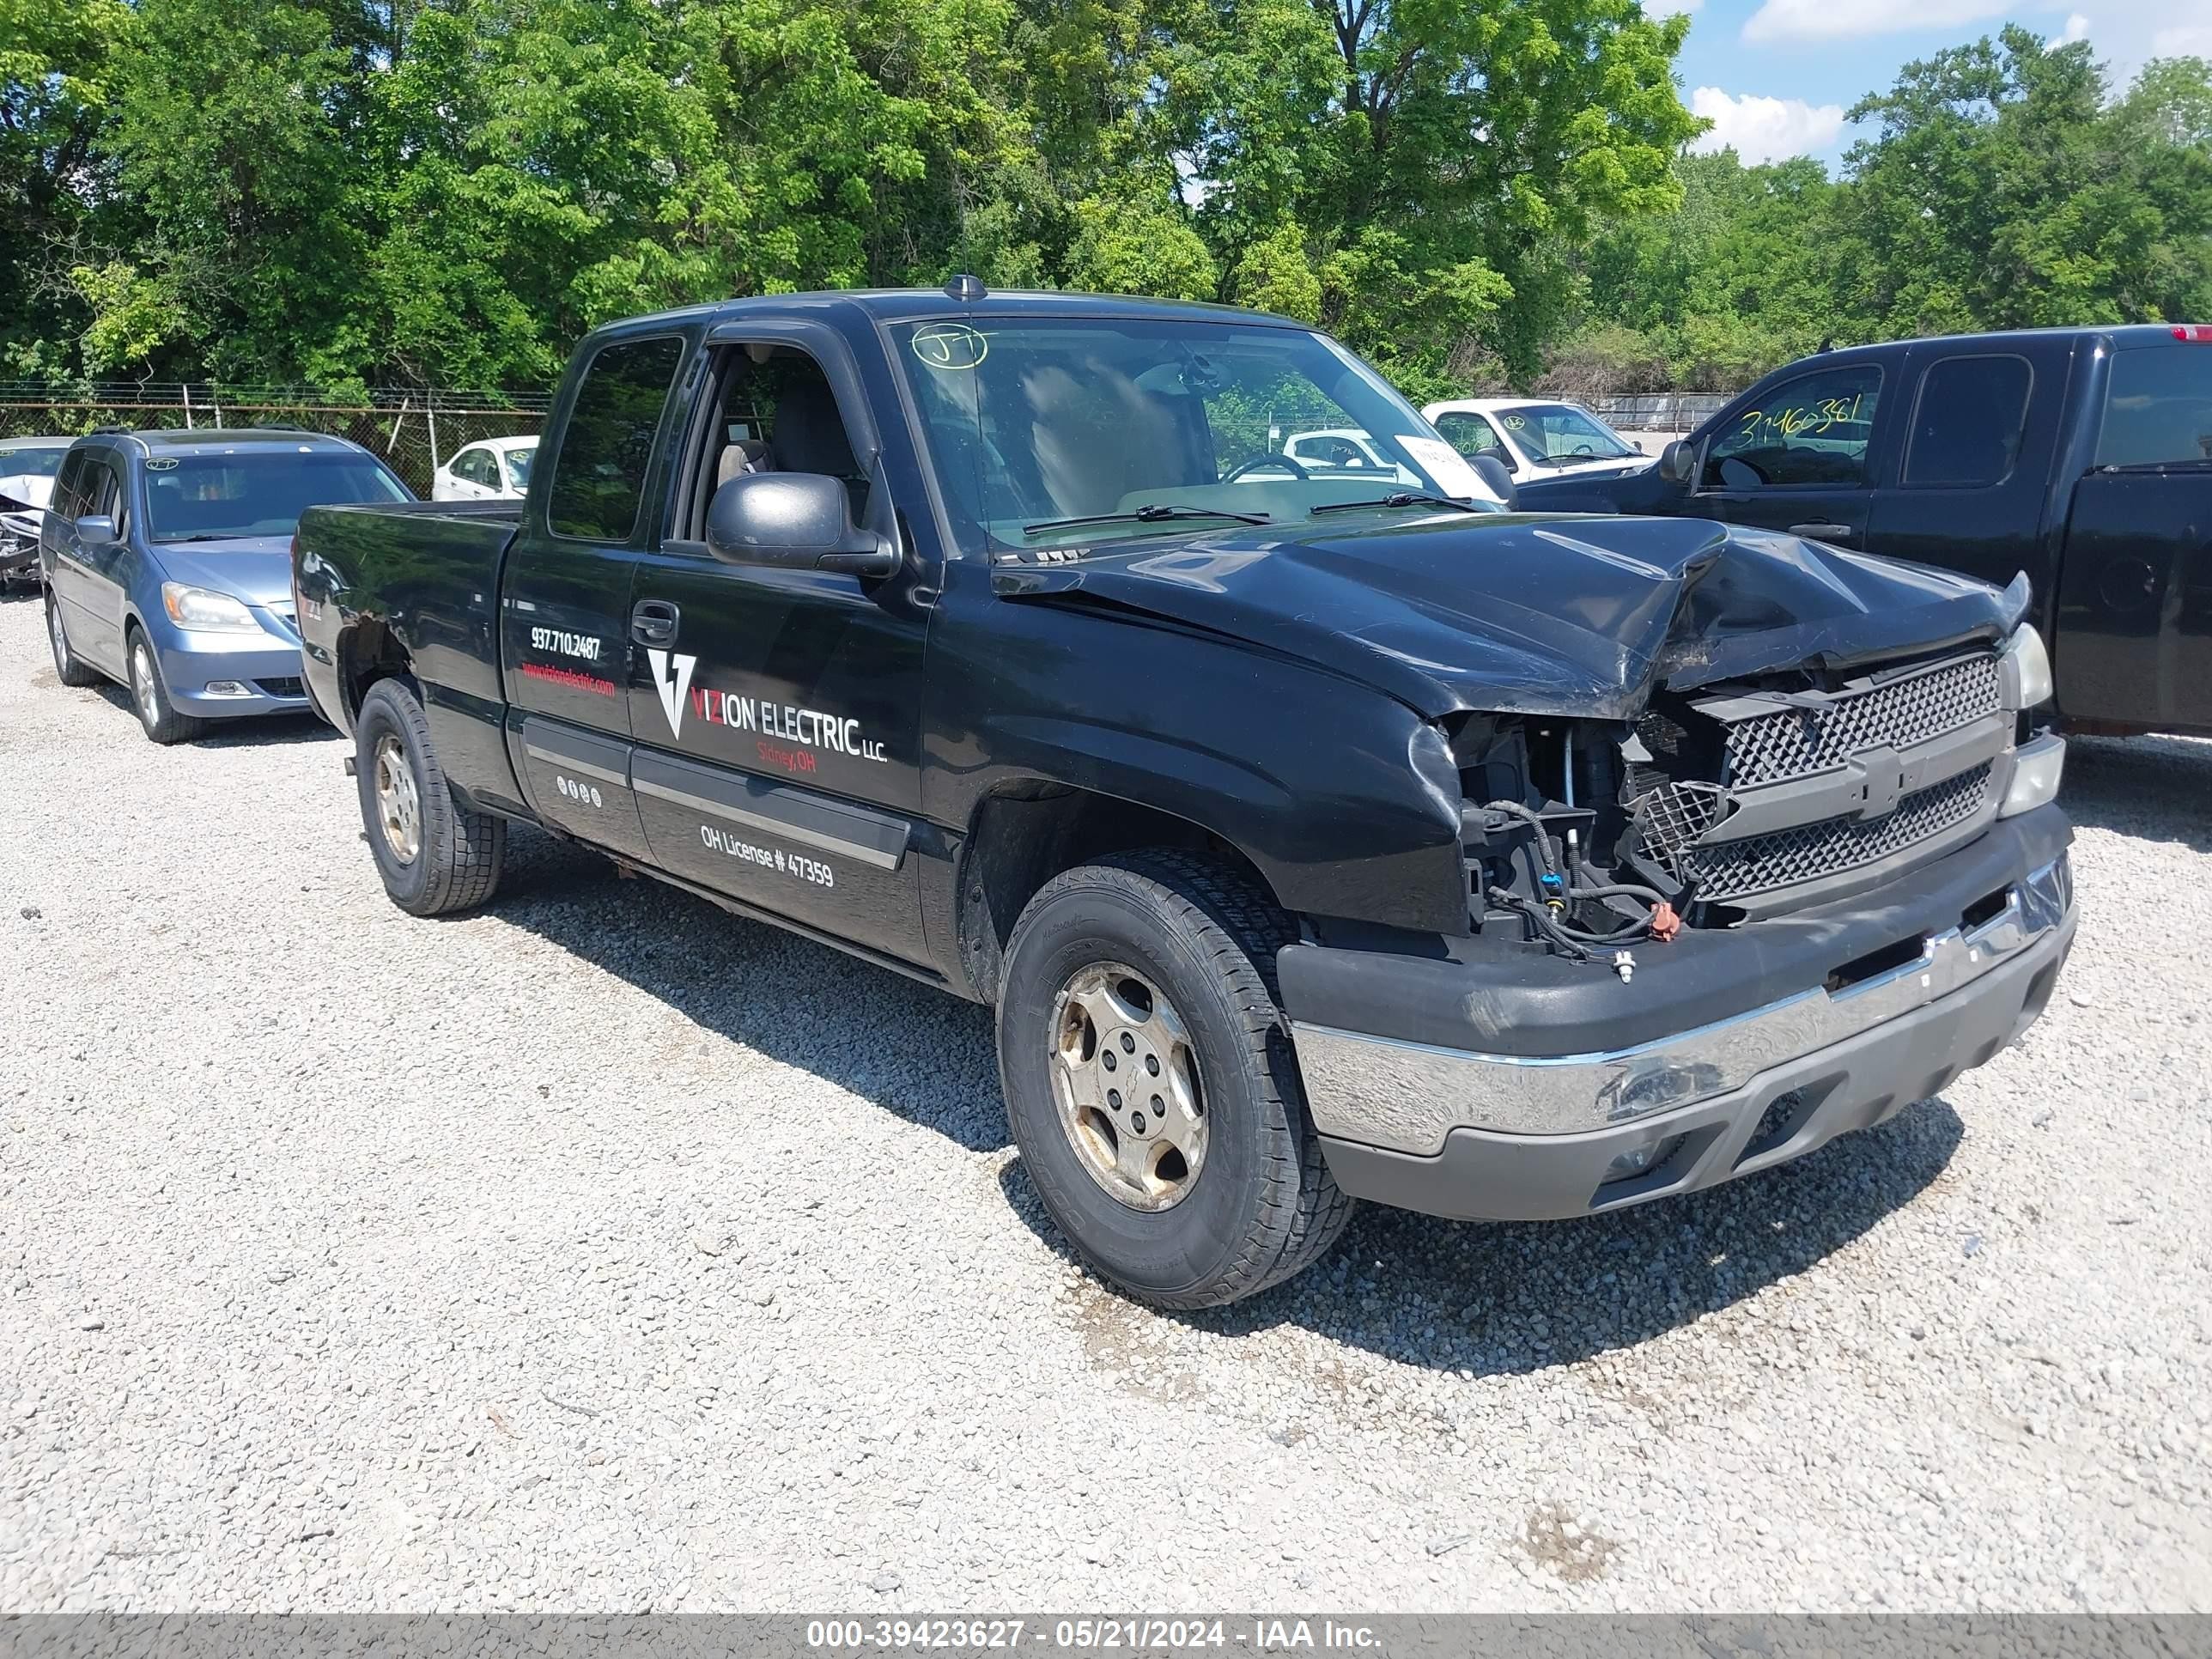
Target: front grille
x=1673, y=815
x=1728, y=871
x=1793, y=743
x=284, y=686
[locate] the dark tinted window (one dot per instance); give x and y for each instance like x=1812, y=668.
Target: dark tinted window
x=115, y=496
x=2159, y=408
x=68, y=491
x=599, y=473
x=1967, y=429
x=102, y=486
x=1811, y=430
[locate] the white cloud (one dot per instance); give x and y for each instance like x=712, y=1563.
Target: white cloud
x=2127, y=35
x=1765, y=129
x=1835, y=20
x=2183, y=41
x=2077, y=28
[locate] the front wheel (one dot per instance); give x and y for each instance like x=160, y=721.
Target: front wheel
x=149, y=695
x=1150, y=1083
x=435, y=856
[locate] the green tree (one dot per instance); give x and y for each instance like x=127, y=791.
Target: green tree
x=2001, y=191
x=55, y=60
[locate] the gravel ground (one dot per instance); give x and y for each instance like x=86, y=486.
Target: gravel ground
x=602, y=1252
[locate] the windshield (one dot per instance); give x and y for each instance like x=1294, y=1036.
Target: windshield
x=1033, y=422
x=517, y=466
x=209, y=497
x=29, y=462
x=1562, y=435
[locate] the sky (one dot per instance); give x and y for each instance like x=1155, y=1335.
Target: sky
x=1775, y=76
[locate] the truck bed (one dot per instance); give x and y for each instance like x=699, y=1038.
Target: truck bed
x=428, y=569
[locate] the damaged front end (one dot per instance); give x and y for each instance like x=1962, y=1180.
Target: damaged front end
x=1747, y=799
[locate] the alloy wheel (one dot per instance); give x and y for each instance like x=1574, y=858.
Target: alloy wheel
x=1125, y=1077
x=399, y=807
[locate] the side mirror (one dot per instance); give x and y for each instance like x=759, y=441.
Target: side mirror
x=1678, y=462
x=95, y=527
x=796, y=521
x=1491, y=471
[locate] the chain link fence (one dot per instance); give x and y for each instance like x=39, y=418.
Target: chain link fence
x=1657, y=411
x=413, y=430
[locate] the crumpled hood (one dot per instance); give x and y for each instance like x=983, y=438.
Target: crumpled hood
x=1565, y=616
x=20, y=490
x=255, y=568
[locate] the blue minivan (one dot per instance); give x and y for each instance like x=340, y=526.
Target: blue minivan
x=167, y=560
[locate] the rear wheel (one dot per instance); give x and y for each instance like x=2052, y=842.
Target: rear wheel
x=149, y=694
x=1151, y=1082
x=69, y=668
x=435, y=856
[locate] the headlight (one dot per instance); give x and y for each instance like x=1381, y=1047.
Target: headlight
x=2036, y=771
x=204, y=611
x=2026, y=668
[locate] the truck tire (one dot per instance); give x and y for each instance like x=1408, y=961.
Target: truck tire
x=435, y=856
x=69, y=668
x=1204, y=1182
x=150, y=693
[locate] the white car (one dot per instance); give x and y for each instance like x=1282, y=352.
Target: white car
x=27, y=467
x=497, y=469
x=1536, y=437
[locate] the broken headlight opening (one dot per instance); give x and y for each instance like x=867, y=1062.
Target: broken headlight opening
x=1738, y=801
x=1541, y=824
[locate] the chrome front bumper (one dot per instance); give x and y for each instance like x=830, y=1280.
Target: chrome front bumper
x=1409, y=1099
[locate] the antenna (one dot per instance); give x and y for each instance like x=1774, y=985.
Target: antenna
x=966, y=288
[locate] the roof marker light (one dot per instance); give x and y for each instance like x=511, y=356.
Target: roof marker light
x=2195, y=333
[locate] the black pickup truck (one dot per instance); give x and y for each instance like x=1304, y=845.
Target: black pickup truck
x=2081, y=456
x=1316, y=834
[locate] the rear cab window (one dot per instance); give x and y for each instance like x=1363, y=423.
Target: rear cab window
x=599, y=472
x=1968, y=424
x=1814, y=429
x=2158, y=407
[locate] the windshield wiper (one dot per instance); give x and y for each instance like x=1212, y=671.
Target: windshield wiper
x=1143, y=515
x=1402, y=498
x=204, y=536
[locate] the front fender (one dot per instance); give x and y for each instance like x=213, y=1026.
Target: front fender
x=1345, y=799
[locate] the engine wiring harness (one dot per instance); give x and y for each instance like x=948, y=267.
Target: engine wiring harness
x=1564, y=890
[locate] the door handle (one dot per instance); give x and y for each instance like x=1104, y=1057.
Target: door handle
x=1824, y=532
x=652, y=621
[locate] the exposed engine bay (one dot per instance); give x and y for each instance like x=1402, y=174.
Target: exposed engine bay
x=1731, y=802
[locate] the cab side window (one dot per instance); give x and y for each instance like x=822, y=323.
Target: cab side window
x=1470, y=435
x=772, y=411
x=1812, y=430
x=1967, y=427
x=599, y=474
